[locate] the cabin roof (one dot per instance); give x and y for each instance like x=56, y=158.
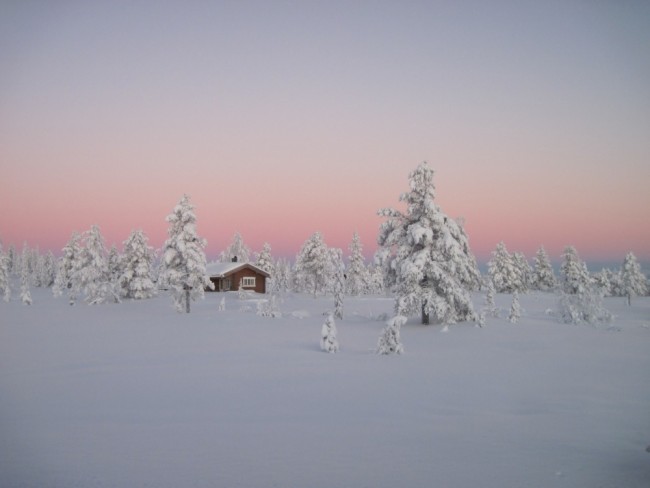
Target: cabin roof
x=220, y=270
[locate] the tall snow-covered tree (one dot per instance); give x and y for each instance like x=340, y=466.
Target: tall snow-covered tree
x=503, y=270
x=5, y=276
x=574, y=276
x=92, y=272
x=338, y=279
x=135, y=280
x=282, y=276
x=357, y=274
x=183, y=257
x=543, y=276
x=236, y=250
x=25, y=294
x=67, y=265
x=426, y=256
x=265, y=261
x=313, y=265
x=633, y=281
x=524, y=271
x=603, y=281
x=11, y=255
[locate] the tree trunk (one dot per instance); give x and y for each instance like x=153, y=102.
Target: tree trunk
x=425, y=314
x=187, y=300
x=629, y=299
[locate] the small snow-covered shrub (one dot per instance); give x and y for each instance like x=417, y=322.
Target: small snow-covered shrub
x=222, y=304
x=268, y=308
x=328, y=341
x=389, y=341
x=515, y=309
x=585, y=307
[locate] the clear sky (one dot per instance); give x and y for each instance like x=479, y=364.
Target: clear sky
x=280, y=119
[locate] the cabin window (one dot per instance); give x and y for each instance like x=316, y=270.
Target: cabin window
x=248, y=282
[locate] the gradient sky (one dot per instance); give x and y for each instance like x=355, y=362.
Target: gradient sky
x=285, y=118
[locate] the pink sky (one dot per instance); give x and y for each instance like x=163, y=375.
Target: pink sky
x=285, y=120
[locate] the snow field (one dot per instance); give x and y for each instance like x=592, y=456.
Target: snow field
x=136, y=395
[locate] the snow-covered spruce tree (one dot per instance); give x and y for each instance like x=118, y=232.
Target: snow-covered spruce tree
x=574, y=276
x=47, y=270
x=135, y=279
x=426, y=256
x=11, y=254
x=183, y=257
x=375, y=283
x=490, y=307
x=265, y=260
x=25, y=295
x=237, y=250
x=633, y=281
x=515, y=309
x=603, y=281
x=328, y=341
x=67, y=264
x=389, y=340
x=313, y=265
x=543, y=276
x=115, y=264
x=282, y=276
x=357, y=274
x=5, y=276
x=503, y=271
x=338, y=281
x=524, y=271
x=92, y=271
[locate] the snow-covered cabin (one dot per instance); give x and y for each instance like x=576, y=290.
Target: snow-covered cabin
x=228, y=276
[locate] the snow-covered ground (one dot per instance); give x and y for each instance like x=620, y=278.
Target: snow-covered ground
x=137, y=395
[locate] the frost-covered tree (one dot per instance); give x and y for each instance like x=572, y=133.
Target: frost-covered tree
x=426, y=256
x=490, y=307
x=503, y=270
x=92, y=271
x=574, y=276
x=115, y=264
x=375, y=283
x=67, y=265
x=183, y=257
x=338, y=279
x=25, y=295
x=135, y=280
x=603, y=281
x=5, y=276
x=524, y=272
x=236, y=250
x=357, y=274
x=313, y=265
x=222, y=304
x=543, y=276
x=265, y=260
x=11, y=255
x=282, y=276
x=633, y=281
x=328, y=341
x=47, y=270
x=515, y=309
x=389, y=340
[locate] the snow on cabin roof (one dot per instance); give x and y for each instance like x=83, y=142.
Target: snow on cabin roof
x=219, y=270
